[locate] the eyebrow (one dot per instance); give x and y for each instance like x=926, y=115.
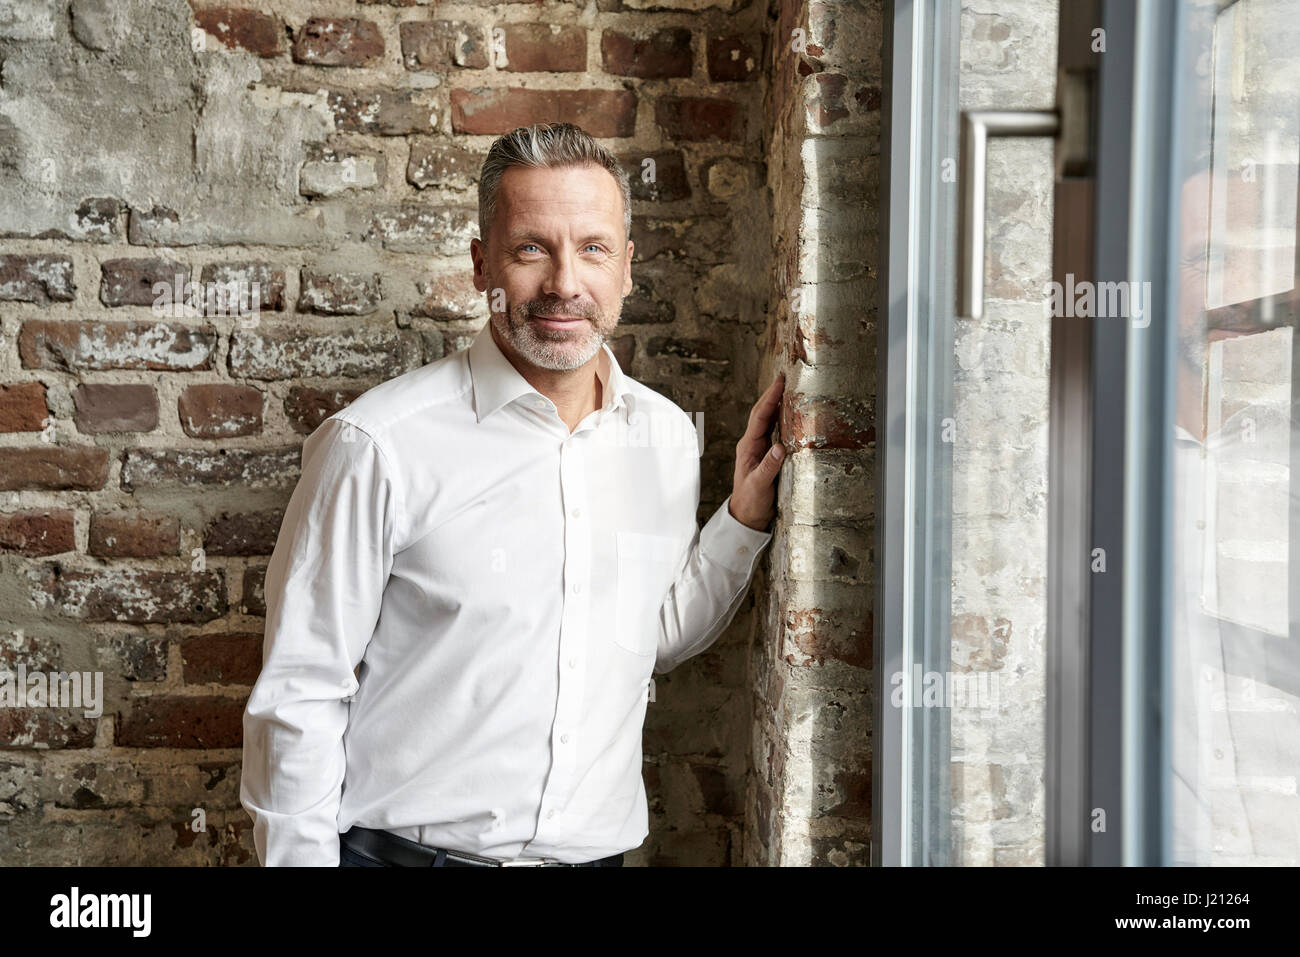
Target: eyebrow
x=538, y=237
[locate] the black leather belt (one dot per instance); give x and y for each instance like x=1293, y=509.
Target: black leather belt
x=388, y=848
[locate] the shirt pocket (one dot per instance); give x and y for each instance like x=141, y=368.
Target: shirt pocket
x=646, y=564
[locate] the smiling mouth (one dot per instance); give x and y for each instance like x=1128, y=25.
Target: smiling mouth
x=555, y=322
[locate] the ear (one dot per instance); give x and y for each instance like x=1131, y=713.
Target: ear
x=476, y=254
x=627, y=268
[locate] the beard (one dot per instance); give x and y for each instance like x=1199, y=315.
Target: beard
x=555, y=349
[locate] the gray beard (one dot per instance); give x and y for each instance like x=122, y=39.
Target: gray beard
x=560, y=355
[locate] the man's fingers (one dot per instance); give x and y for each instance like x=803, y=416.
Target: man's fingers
x=760, y=416
x=764, y=471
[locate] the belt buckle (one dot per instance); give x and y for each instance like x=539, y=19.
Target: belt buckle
x=524, y=863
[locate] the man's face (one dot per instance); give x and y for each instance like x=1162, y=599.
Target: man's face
x=558, y=253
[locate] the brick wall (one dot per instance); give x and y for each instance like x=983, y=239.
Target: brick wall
x=808, y=800
x=999, y=483
x=145, y=458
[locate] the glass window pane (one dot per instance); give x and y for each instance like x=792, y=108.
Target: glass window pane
x=1234, y=660
x=989, y=664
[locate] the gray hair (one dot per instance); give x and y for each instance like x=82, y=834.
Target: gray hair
x=545, y=146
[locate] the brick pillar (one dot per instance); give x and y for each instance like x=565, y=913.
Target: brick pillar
x=809, y=795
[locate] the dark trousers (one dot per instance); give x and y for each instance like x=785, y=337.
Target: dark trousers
x=348, y=857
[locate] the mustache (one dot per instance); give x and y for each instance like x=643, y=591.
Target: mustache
x=556, y=311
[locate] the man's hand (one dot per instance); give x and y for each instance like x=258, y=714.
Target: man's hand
x=753, y=492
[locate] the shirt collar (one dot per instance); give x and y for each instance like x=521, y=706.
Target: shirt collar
x=496, y=382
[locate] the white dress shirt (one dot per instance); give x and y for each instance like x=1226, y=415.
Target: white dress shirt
x=506, y=589
x=1233, y=735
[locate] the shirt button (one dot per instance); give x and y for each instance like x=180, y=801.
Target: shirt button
x=742, y=550
x=564, y=739
x=577, y=512
x=550, y=813
x=573, y=662
x=577, y=587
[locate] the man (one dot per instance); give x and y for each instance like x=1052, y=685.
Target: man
x=503, y=545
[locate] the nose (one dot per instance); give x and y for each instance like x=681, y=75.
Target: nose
x=562, y=280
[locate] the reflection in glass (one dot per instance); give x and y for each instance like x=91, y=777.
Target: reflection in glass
x=1235, y=663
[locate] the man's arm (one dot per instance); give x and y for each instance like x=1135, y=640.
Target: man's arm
x=710, y=587
x=324, y=585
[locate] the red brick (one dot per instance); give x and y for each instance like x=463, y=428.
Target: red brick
x=733, y=58
x=827, y=105
x=53, y=468
x=143, y=228
x=700, y=118
x=245, y=533
x=253, y=597
x=115, y=408
x=96, y=219
x=46, y=728
x=37, y=652
x=23, y=407
x=242, y=29
x=544, y=48
x=306, y=407
x=669, y=182
x=133, y=535
x=339, y=294
x=182, y=721
x=131, y=282
x=219, y=411
x=602, y=113
x=822, y=634
x=382, y=112
x=432, y=231
x=338, y=41
x=225, y=283
x=76, y=346
x=38, y=278
x=868, y=97
x=442, y=164
x=349, y=353
x=448, y=296
x=226, y=659
x=37, y=533
x=135, y=657
x=440, y=45
x=225, y=467
x=663, y=54
x=132, y=595
x=826, y=423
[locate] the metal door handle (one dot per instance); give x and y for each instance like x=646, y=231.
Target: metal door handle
x=976, y=128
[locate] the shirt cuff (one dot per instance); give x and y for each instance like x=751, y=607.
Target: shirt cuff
x=730, y=543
